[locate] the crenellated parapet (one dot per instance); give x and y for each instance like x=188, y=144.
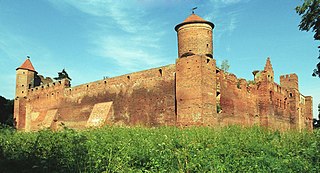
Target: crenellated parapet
x=289, y=81
x=48, y=90
x=191, y=92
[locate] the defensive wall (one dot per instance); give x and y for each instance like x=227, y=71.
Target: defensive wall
x=142, y=98
x=191, y=92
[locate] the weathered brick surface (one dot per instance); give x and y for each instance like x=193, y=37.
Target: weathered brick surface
x=195, y=90
x=100, y=115
x=191, y=92
x=142, y=98
x=195, y=38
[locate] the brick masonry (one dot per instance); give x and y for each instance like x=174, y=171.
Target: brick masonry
x=191, y=92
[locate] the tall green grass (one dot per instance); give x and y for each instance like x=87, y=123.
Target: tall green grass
x=164, y=149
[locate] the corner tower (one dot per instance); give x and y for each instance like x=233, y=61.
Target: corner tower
x=195, y=37
x=25, y=79
x=25, y=75
x=195, y=73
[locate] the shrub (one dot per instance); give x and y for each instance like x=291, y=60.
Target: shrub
x=163, y=149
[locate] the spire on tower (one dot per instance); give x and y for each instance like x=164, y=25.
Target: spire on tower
x=268, y=66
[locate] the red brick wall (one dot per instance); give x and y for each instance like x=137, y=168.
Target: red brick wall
x=195, y=38
x=141, y=98
x=289, y=81
x=196, y=90
x=238, y=101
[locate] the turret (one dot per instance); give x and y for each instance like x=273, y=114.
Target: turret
x=195, y=73
x=195, y=37
x=289, y=81
x=269, y=70
x=25, y=78
x=265, y=94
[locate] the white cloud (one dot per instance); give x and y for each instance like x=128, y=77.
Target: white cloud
x=227, y=20
x=225, y=14
x=228, y=2
x=138, y=43
x=12, y=45
x=126, y=37
x=232, y=24
x=130, y=52
x=125, y=15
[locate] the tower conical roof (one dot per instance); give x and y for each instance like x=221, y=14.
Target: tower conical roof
x=27, y=65
x=193, y=18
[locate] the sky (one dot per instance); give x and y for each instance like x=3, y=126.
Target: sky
x=93, y=39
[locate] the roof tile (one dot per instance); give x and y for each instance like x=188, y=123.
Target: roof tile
x=194, y=18
x=27, y=65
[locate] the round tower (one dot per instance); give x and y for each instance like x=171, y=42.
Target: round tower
x=25, y=75
x=195, y=73
x=195, y=37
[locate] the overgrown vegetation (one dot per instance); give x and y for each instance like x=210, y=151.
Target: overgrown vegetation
x=316, y=122
x=165, y=149
x=219, y=108
x=6, y=111
x=225, y=66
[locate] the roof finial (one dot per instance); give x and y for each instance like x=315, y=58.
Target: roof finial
x=28, y=56
x=194, y=8
x=268, y=65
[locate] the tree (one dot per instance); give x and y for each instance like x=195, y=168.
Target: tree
x=225, y=65
x=316, y=122
x=319, y=111
x=310, y=20
x=6, y=111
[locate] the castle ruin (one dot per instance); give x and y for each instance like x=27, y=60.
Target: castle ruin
x=191, y=92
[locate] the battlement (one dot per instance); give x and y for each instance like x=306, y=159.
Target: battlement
x=292, y=76
x=277, y=88
x=159, y=73
x=64, y=83
x=193, y=91
x=289, y=81
x=61, y=88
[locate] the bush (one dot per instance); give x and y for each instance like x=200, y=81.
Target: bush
x=163, y=149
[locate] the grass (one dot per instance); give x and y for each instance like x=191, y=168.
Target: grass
x=163, y=149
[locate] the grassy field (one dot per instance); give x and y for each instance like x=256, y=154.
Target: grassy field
x=164, y=149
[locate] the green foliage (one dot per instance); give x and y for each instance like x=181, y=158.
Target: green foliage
x=310, y=20
x=218, y=108
x=225, y=65
x=319, y=110
x=6, y=111
x=238, y=85
x=310, y=10
x=316, y=122
x=164, y=149
x=251, y=82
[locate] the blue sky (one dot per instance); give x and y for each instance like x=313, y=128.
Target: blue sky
x=97, y=38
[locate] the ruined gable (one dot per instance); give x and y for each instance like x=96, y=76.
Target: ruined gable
x=191, y=92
